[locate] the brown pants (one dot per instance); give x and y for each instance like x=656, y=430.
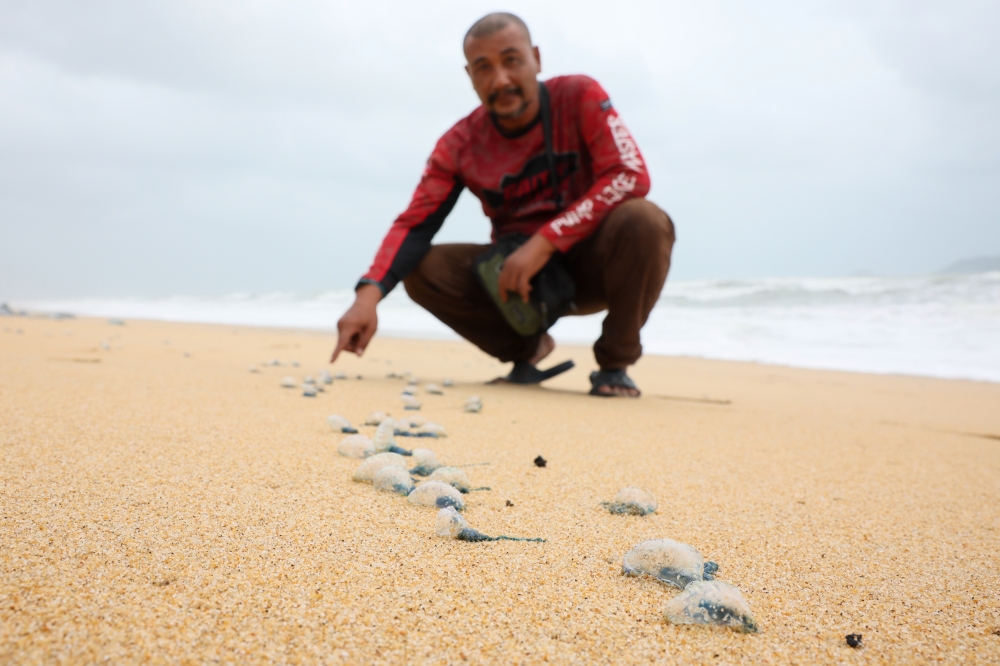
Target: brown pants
x=621, y=268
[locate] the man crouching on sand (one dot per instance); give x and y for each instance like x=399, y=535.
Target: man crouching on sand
x=563, y=182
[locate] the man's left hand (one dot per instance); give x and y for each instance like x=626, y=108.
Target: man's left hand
x=521, y=266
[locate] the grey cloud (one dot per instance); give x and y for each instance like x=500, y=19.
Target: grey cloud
x=154, y=148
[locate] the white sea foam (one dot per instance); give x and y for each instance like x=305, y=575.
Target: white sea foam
x=935, y=325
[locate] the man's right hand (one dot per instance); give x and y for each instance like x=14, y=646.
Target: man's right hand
x=359, y=323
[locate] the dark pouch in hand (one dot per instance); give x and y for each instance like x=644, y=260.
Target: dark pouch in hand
x=552, y=289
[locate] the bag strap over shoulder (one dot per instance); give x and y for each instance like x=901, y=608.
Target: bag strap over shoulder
x=550, y=156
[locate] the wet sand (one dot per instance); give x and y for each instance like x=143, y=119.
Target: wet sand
x=160, y=503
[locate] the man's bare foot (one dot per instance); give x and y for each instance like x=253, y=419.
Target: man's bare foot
x=545, y=347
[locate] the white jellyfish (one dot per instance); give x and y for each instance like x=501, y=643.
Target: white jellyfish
x=711, y=602
x=393, y=479
x=375, y=418
x=447, y=382
x=425, y=461
x=384, y=435
x=325, y=377
x=474, y=404
x=289, y=382
x=631, y=501
x=450, y=524
x=356, y=446
x=454, y=477
x=340, y=424
x=366, y=471
x=668, y=561
x=433, y=389
x=431, y=429
x=309, y=390
x=385, y=439
x=410, y=402
x=436, y=494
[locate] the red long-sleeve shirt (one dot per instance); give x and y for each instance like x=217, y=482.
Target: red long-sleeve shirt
x=599, y=166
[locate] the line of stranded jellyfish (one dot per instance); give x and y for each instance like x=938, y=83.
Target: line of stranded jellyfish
x=393, y=469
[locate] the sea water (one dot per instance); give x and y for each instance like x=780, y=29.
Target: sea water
x=934, y=325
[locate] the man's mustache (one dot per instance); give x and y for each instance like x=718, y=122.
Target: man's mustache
x=512, y=90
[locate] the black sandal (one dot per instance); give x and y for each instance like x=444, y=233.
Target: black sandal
x=612, y=378
x=525, y=373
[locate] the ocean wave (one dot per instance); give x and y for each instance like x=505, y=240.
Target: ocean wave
x=934, y=325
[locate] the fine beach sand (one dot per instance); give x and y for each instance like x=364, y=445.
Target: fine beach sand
x=170, y=508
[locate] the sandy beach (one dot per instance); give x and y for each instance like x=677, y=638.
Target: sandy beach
x=161, y=503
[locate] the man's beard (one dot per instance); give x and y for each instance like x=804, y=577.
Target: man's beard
x=512, y=91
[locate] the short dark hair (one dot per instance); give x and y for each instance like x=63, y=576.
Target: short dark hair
x=495, y=22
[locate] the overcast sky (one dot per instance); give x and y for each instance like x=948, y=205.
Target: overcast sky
x=206, y=147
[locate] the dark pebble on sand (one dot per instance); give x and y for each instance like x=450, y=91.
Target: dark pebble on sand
x=854, y=640
x=509, y=503
x=540, y=461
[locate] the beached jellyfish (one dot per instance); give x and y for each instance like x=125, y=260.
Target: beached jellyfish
x=474, y=404
x=454, y=477
x=375, y=418
x=309, y=390
x=447, y=382
x=409, y=390
x=410, y=403
x=385, y=440
x=366, y=471
x=275, y=361
x=415, y=421
x=632, y=502
x=668, y=561
x=433, y=389
x=393, y=479
x=340, y=424
x=253, y=369
x=451, y=524
x=711, y=602
x=325, y=377
x=384, y=435
x=289, y=382
x=425, y=462
x=340, y=375
x=356, y=446
x=431, y=429
x=436, y=494
x=295, y=364
x=309, y=378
